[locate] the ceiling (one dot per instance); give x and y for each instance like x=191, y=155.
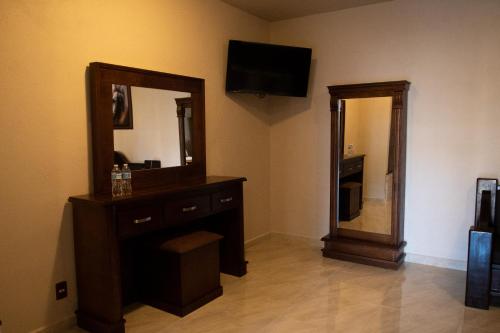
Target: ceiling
x=276, y=10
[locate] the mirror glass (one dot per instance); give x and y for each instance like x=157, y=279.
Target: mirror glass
x=366, y=169
x=151, y=127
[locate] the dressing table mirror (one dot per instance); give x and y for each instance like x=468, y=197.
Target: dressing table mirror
x=155, y=122
x=368, y=152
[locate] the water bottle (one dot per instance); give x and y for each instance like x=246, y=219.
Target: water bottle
x=116, y=181
x=126, y=180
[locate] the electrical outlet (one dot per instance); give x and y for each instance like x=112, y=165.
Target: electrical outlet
x=61, y=290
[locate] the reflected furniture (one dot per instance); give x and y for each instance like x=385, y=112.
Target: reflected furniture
x=357, y=245
x=185, y=128
x=110, y=233
x=483, y=264
x=120, y=159
x=351, y=170
x=349, y=201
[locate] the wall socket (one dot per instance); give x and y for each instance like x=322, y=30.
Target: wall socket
x=61, y=290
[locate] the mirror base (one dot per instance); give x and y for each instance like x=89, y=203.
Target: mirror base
x=363, y=252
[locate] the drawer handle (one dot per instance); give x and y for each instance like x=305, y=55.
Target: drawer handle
x=144, y=220
x=189, y=209
x=225, y=200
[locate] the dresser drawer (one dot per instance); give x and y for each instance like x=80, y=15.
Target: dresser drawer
x=187, y=209
x=226, y=199
x=351, y=168
x=135, y=220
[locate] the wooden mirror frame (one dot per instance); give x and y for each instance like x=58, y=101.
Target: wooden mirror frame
x=102, y=76
x=361, y=246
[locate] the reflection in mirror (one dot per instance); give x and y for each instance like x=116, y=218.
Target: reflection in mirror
x=156, y=138
x=185, y=116
x=366, y=177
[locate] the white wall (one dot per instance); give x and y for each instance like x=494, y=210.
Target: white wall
x=450, y=52
x=155, y=135
x=45, y=137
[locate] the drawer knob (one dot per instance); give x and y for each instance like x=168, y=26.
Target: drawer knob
x=228, y=199
x=189, y=209
x=144, y=220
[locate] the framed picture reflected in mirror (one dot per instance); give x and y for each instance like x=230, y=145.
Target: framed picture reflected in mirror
x=122, y=107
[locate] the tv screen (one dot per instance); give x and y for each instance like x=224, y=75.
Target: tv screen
x=267, y=69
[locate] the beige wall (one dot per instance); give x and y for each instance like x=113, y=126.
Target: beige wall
x=155, y=135
x=367, y=126
x=45, y=48
x=449, y=51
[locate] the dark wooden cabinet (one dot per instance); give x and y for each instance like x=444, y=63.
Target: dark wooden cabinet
x=109, y=233
x=351, y=169
x=483, y=260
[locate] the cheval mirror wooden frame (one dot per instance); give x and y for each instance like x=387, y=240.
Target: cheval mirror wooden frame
x=361, y=246
x=102, y=76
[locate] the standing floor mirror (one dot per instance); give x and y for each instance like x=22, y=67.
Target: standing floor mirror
x=368, y=154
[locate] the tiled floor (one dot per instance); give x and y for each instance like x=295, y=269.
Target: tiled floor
x=290, y=287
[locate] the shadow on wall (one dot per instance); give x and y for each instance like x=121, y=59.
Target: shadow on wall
x=274, y=109
x=89, y=129
x=63, y=270
x=283, y=107
x=257, y=106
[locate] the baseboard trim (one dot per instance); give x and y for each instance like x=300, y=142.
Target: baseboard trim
x=59, y=327
x=460, y=265
x=254, y=240
x=315, y=241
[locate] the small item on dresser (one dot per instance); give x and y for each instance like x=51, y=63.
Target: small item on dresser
x=350, y=149
x=126, y=180
x=116, y=181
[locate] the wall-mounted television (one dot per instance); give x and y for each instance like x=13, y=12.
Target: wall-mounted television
x=267, y=69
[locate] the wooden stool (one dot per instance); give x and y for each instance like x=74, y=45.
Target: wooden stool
x=349, y=201
x=182, y=274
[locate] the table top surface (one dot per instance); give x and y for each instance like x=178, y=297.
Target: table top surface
x=198, y=183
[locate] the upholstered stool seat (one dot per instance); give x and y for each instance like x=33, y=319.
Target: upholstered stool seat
x=182, y=274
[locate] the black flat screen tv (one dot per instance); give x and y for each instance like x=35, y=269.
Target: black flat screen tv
x=267, y=69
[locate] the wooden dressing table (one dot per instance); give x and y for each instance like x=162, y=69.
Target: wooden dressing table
x=109, y=233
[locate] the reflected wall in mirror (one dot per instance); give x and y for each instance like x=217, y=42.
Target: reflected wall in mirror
x=365, y=174
x=158, y=135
